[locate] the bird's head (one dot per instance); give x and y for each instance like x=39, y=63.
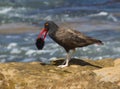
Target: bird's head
x=49, y=26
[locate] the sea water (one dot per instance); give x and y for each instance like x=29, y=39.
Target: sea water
x=99, y=19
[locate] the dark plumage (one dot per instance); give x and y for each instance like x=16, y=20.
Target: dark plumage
x=69, y=39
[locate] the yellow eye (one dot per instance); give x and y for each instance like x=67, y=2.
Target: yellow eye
x=46, y=24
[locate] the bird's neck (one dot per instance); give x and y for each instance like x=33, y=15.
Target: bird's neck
x=52, y=31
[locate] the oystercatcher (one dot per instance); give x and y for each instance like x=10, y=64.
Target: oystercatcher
x=68, y=38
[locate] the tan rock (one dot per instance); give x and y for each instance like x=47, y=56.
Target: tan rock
x=117, y=62
x=74, y=66
x=118, y=84
x=110, y=74
x=35, y=75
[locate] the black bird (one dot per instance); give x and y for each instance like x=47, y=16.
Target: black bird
x=68, y=38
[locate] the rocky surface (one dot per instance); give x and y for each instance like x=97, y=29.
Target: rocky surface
x=81, y=74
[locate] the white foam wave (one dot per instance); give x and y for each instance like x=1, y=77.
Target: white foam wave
x=15, y=51
x=48, y=18
x=99, y=14
x=30, y=52
x=109, y=15
x=24, y=48
x=43, y=51
x=11, y=45
x=16, y=12
x=5, y=10
x=112, y=17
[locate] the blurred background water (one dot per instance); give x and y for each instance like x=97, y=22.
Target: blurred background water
x=98, y=18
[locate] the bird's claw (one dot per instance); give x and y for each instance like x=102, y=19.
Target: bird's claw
x=62, y=66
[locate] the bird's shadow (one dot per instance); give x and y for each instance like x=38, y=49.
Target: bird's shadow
x=75, y=61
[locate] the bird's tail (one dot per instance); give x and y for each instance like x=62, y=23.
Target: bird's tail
x=99, y=42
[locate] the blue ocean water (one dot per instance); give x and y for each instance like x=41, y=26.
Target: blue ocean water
x=41, y=10
x=98, y=18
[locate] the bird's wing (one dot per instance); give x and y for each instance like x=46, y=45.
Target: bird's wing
x=73, y=38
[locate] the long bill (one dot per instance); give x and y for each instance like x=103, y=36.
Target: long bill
x=43, y=34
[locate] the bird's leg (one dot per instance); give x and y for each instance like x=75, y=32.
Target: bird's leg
x=72, y=53
x=63, y=62
x=68, y=58
x=66, y=61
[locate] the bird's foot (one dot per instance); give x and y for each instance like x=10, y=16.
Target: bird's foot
x=62, y=66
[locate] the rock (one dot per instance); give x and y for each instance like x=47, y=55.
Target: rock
x=74, y=66
x=117, y=62
x=110, y=74
x=81, y=74
x=118, y=83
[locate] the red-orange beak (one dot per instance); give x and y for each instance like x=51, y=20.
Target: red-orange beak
x=43, y=33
